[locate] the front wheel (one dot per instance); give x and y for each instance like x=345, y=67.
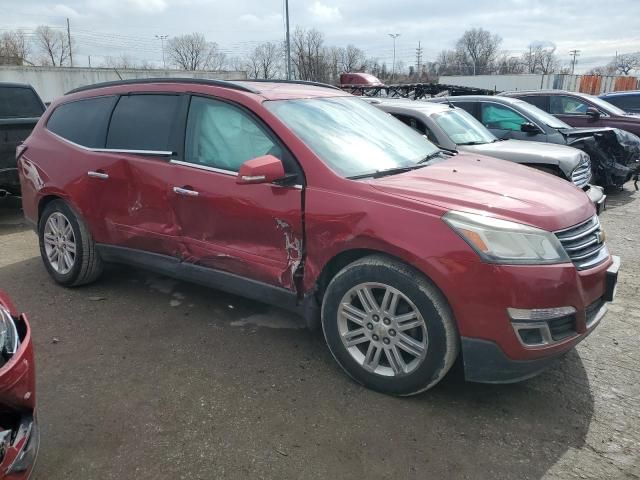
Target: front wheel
x=388, y=326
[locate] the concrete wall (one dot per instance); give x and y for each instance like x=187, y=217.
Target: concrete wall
x=576, y=83
x=52, y=82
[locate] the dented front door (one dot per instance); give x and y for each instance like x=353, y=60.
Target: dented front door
x=254, y=231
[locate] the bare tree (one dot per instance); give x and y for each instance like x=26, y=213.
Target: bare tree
x=53, y=45
x=265, y=61
x=14, y=46
x=541, y=58
x=478, y=49
x=351, y=59
x=506, y=65
x=125, y=61
x=627, y=62
x=308, y=55
x=194, y=52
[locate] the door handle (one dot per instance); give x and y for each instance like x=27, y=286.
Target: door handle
x=100, y=175
x=185, y=191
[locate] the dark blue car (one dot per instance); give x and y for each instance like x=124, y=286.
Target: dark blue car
x=628, y=101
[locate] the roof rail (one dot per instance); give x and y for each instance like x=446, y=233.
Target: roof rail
x=138, y=81
x=294, y=82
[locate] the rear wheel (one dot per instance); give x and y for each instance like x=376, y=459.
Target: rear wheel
x=66, y=246
x=388, y=326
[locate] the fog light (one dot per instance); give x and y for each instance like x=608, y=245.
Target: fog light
x=538, y=314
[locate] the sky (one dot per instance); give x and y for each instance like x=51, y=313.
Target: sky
x=103, y=28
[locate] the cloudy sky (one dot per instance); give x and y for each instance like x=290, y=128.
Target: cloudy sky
x=114, y=27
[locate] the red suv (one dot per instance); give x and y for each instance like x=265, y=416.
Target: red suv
x=308, y=198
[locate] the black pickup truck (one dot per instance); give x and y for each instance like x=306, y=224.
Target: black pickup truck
x=20, y=109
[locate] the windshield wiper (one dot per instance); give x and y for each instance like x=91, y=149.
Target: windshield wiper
x=431, y=156
x=386, y=172
x=475, y=142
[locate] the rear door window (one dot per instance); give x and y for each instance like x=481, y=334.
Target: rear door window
x=19, y=102
x=147, y=122
x=501, y=117
x=83, y=122
x=540, y=101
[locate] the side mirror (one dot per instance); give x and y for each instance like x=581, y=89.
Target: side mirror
x=529, y=128
x=265, y=169
x=593, y=112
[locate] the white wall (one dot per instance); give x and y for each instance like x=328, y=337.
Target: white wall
x=52, y=82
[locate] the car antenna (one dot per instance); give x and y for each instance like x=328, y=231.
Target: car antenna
x=451, y=105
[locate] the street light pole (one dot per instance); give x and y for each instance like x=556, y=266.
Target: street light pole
x=393, y=67
x=286, y=6
x=162, y=38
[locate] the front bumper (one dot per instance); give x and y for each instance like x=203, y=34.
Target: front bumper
x=21, y=452
x=484, y=360
x=597, y=196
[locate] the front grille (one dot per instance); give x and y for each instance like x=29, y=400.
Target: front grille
x=584, y=243
x=562, y=327
x=582, y=173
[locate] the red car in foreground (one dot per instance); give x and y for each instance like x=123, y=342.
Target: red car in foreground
x=19, y=437
x=309, y=198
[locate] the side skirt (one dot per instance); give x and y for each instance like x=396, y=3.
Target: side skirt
x=208, y=277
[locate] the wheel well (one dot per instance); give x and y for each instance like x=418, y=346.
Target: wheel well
x=44, y=201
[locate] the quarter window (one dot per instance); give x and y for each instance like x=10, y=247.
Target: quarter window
x=221, y=135
x=563, y=105
x=83, y=122
x=145, y=122
x=501, y=117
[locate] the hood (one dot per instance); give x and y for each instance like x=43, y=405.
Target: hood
x=477, y=184
x=583, y=132
x=522, y=151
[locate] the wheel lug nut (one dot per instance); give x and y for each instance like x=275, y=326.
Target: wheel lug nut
x=370, y=326
x=376, y=318
x=392, y=333
x=376, y=338
x=386, y=321
x=386, y=340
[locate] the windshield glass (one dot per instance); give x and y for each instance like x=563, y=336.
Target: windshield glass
x=462, y=128
x=536, y=114
x=352, y=137
x=606, y=106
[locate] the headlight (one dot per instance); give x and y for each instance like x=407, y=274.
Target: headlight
x=8, y=335
x=500, y=241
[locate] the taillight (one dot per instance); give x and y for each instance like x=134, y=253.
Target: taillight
x=20, y=149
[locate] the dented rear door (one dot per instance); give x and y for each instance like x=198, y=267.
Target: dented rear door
x=254, y=231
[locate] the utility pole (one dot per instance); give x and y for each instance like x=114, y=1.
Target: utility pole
x=393, y=68
x=89, y=61
x=574, y=54
x=69, y=42
x=162, y=38
x=419, y=59
x=286, y=7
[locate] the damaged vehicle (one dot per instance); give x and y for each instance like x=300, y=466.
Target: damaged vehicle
x=19, y=437
x=615, y=154
x=454, y=130
x=20, y=108
x=303, y=196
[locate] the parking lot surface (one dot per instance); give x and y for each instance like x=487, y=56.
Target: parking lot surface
x=143, y=377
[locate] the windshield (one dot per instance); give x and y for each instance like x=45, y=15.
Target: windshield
x=352, y=137
x=540, y=115
x=606, y=106
x=462, y=128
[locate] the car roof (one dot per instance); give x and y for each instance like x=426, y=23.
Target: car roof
x=621, y=93
x=547, y=91
x=408, y=104
x=268, y=90
x=476, y=98
x=13, y=84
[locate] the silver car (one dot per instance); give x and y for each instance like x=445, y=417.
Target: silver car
x=455, y=130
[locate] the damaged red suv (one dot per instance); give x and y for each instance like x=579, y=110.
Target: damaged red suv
x=308, y=198
x=19, y=437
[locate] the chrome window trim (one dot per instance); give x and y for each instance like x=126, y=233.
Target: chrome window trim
x=162, y=153
x=204, y=167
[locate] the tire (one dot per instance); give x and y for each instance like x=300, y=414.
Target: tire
x=421, y=313
x=86, y=265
